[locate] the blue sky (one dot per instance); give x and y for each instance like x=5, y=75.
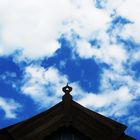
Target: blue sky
x=92, y=44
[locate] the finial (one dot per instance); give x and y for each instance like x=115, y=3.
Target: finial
x=67, y=104
x=67, y=89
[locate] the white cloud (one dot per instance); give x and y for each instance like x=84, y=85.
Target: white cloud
x=43, y=85
x=34, y=26
x=114, y=55
x=110, y=102
x=135, y=54
x=130, y=10
x=134, y=122
x=117, y=95
x=111, y=79
x=10, y=107
x=110, y=51
x=9, y=78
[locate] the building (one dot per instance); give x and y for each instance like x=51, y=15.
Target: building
x=67, y=120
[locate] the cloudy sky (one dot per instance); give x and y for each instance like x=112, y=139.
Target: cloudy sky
x=92, y=44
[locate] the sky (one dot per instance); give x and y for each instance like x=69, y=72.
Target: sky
x=92, y=44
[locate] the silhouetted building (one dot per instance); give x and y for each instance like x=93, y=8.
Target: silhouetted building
x=67, y=120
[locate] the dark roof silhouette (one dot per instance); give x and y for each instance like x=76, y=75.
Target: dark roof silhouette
x=66, y=114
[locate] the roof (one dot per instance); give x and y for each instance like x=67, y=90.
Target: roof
x=67, y=113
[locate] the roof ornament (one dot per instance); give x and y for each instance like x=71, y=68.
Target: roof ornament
x=67, y=103
x=67, y=89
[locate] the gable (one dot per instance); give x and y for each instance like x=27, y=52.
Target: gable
x=67, y=114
